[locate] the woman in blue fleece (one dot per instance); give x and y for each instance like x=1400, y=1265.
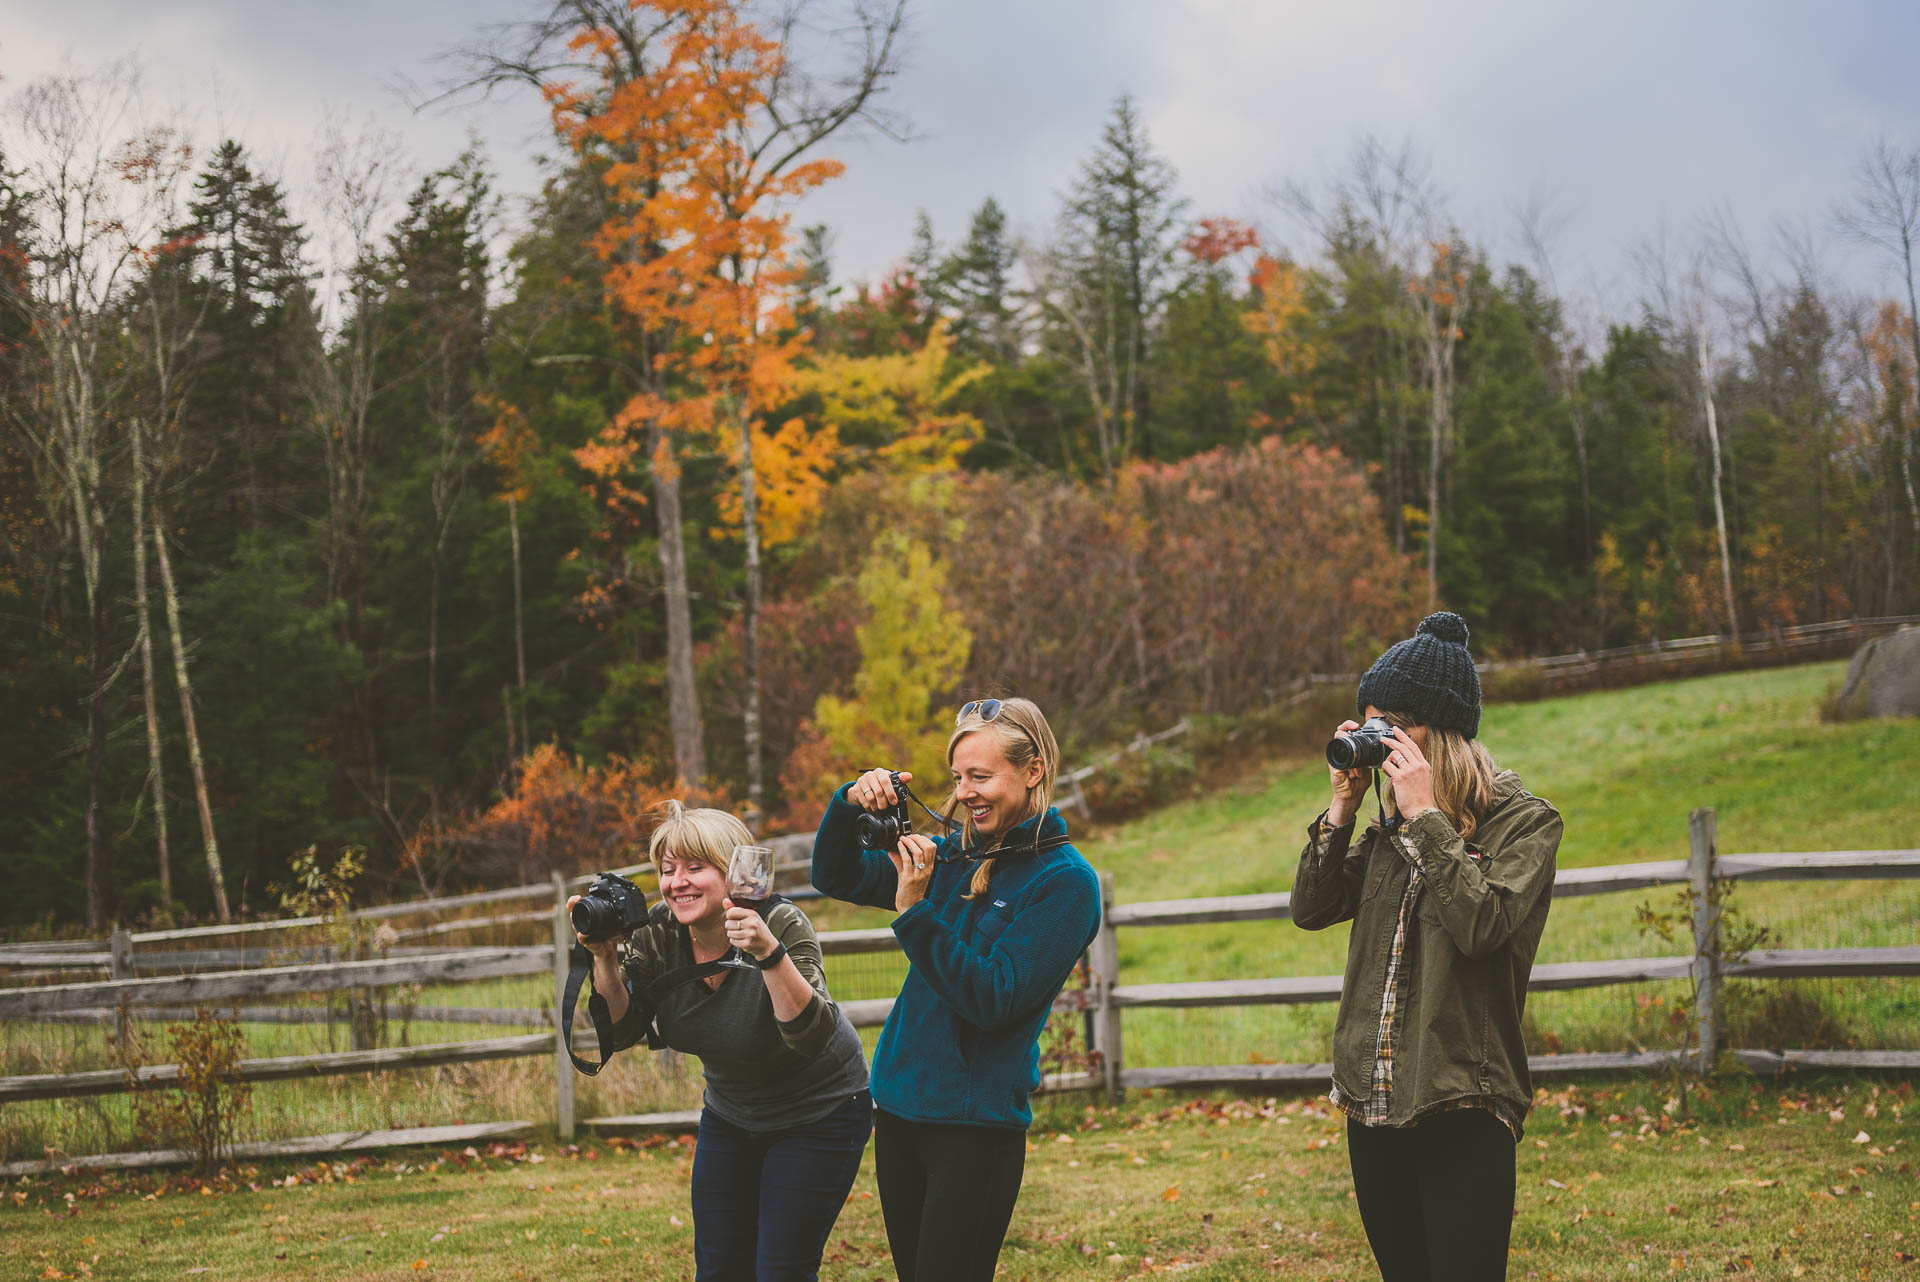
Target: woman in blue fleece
x=992, y=920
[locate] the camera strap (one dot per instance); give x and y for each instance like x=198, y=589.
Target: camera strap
x=579, y=966
x=976, y=853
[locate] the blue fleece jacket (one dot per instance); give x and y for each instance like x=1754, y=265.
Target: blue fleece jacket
x=962, y=1044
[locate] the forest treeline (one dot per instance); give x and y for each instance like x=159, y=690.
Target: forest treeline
x=442, y=516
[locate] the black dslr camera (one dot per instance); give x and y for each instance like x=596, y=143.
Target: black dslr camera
x=611, y=907
x=1363, y=749
x=882, y=829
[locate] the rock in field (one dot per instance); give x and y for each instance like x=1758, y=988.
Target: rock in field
x=1884, y=678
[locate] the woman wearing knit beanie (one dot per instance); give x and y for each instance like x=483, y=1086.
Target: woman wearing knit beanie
x=1447, y=888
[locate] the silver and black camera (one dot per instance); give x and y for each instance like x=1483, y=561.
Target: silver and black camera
x=1365, y=748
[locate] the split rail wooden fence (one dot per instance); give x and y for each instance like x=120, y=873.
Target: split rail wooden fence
x=1105, y=1001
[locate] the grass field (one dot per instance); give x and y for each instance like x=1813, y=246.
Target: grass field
x=1624, y=768
x=1764, y=1184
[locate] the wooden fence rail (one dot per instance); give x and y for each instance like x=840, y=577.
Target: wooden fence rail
x=1104, y=1002
x=1704, y=871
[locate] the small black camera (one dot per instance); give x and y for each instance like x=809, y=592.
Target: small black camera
x=611, y=907
x=882, y=829
x=1363, y=749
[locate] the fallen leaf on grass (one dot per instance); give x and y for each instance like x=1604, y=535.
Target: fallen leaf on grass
x=1172, y=1193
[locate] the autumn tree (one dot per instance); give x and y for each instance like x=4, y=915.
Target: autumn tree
x=699, y=122
x=913, y=649
x=1208, y=369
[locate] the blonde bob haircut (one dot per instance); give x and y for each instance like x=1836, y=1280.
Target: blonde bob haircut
x=704, y=836
x=1463, y=773
x=1024, y=737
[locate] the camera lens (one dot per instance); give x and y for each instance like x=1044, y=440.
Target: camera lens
x=878, y=832
x=1360, y=750
x=596, y=919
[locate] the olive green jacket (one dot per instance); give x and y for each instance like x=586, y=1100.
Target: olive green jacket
x=1475, y=926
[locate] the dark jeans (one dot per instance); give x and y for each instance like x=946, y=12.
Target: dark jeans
x=947, y=1193
x=764, y=1202
x=1436, y=1197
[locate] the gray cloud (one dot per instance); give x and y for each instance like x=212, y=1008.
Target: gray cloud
x=1625, y=116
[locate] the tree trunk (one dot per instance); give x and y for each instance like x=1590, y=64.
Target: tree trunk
x=519, y=620
x=513, y=749
x=1906, y=476
x=1436, y=431
x=1719, y=506
x=97, y=681
x=1913, y=334
x=433, y=687
x=750, y=716
x=683, y=696
x=156, y=774
x=215, y=877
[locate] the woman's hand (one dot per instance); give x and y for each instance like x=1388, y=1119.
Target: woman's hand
x=747, y=931
x=1349, y=786
x=913, y=861
x=874, y=790
x=604, y=949
x=1411, y=773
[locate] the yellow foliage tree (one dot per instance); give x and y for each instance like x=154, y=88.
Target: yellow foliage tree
x=913, y=649
x=903, y=399
x=1281, y=319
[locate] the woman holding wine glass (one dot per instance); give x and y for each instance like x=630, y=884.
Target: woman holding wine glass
x=992, y=919
x=786, y=1111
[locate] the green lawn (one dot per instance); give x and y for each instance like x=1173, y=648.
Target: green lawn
x=1773, y=1184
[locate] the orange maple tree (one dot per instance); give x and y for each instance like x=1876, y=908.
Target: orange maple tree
x=697, y=274
x=563, y=815
x=697, y=245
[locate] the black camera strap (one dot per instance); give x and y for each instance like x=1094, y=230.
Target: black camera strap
x=977, y=853
x=579, y=966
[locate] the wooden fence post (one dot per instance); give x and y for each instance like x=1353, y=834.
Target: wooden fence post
x=1705, y=835
x=1105, y=959
x=563, y=1035
x=120, y=966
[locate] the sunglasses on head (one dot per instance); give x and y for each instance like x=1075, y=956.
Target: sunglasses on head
x=985, y=709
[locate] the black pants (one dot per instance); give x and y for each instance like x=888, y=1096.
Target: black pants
x=1436, y=1197
x=765, y=1201
x=947, y=1193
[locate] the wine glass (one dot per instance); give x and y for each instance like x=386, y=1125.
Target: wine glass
x=749, y=885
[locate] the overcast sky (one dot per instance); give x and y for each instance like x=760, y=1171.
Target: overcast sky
x=1624, y=117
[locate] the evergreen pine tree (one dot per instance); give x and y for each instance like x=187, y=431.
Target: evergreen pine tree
x=1119, y=232
x=978, y=282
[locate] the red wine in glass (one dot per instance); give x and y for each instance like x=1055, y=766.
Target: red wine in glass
x=749, y=885
x=743, y=899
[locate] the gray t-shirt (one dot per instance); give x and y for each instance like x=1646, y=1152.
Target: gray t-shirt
x=762, y=1074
